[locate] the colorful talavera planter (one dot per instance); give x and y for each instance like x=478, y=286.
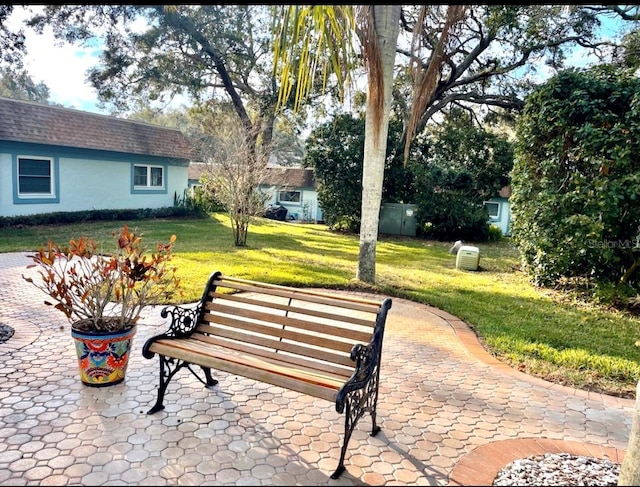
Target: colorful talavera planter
x=103, y=357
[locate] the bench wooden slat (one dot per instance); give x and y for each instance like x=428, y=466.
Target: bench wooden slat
x=324, y=328
x=286, y=377
x=317, y=298
x=283, y=355
x=291, y=347
x=306, y=338
x=308, y=292
x=302, y=372
x=205, y=352
x=236, y=297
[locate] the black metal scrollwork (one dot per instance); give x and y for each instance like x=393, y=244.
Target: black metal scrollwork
x=359, y=394
x=183, y=320
x=183, y=323
x=365, y=358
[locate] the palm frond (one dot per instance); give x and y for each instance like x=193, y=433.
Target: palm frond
x=312, y=40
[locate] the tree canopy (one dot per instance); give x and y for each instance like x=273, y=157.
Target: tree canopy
x=12, y=47
x=496, y=52
x=17, y=84
x=156, y=53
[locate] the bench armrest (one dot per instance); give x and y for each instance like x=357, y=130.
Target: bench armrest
x=183, y=323
x=367, y=360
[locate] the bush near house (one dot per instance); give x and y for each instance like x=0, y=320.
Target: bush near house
x=450, y=173
x=462, y=166
x=66, y=217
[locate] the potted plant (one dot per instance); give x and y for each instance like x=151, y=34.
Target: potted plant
x=103, y=294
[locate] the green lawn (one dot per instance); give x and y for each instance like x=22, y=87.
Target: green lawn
x=534, y=330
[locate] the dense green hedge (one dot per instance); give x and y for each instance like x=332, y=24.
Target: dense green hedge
x=576, y=178
x=98, y=215
x=451, y=171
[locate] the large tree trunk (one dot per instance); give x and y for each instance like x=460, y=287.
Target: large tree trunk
x=386, y=20
x=630, y=470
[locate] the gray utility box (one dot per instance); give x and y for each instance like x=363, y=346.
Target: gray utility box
x=468, y=258
x=398, y=219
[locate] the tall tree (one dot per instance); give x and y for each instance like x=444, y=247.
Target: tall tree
x=17, y=84
x=377, y=27
x=457, y=55
x=204, y=52
x=498, y=51
x=156, y=53
x=12, y=47
x=378, y=32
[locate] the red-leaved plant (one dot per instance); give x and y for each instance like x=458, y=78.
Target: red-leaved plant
x=101, y=292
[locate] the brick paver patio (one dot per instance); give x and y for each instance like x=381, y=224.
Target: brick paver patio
x=449, y=413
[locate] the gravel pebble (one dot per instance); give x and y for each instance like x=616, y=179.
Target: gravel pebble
x=6, y=332
x=559, y=469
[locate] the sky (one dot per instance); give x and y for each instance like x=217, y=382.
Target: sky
x=63, y=68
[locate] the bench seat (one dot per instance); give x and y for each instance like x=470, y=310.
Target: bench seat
x=316, y=343
x=281, y=373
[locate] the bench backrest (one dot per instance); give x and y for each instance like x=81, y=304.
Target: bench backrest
x=309, y=329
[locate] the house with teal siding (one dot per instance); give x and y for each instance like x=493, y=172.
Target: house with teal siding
x=499, y=210
x=295, y=189
x=55, y=159
x=291, y=187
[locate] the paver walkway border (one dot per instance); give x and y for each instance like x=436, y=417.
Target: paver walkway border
x=480, y=466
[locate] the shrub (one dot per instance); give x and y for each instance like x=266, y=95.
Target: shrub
x=576, y=178
x=99, y=215
x=495, y=233
x=85, y=284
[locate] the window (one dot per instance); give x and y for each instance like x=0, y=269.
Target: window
x=148, y=177
x=493, y=209
x=290, y=196
x=35, y=177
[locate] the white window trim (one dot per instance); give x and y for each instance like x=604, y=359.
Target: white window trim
x=52, y=177
x=497, y=216
x=289, y=191
x=148, y=185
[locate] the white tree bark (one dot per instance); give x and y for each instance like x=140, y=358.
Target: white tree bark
x=630, y=470
x=387, y=25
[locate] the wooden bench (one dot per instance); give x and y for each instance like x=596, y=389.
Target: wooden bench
x=325, y=345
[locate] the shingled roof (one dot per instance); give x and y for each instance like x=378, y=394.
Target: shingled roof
x=275, y=176
x=22, y=121
x=290, y=176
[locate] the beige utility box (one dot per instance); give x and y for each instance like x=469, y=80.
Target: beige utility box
x=468, y=258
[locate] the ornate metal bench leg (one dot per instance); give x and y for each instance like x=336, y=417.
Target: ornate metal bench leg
x=210, y=380
x=339, y=470
x=352, y=415
x=373, y=404
x=165, y=376
x=348, y=429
